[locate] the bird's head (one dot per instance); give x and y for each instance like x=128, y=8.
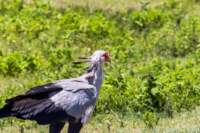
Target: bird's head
x=99, y=56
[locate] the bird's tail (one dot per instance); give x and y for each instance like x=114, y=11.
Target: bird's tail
x=3, y=113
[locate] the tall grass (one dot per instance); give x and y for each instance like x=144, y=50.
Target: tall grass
x=154, y=47
x=185, y=122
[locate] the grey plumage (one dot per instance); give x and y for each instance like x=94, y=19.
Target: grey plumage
x=71, y=100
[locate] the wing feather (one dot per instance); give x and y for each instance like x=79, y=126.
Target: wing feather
x=70, y=98
x=38, y=92
x=76, y=98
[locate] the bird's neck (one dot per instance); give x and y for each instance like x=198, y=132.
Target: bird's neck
x=95, y=74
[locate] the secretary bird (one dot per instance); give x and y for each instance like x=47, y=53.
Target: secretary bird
x=67, y=100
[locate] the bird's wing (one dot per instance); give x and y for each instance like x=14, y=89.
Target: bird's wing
x=50, y=87
x=38, y=92
x=74, y=85
x=70, y=99
x=35, y=104
x=76, y=98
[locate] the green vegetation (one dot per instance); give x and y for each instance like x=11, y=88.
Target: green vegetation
x=155, y=50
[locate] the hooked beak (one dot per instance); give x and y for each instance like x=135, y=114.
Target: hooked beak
x=108, y=60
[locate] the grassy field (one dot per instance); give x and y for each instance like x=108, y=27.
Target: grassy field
x=153, y=82
x=112, y=5
x=185, y=122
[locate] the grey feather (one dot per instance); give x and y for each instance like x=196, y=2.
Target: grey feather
x=79, y=95
x=75, y=98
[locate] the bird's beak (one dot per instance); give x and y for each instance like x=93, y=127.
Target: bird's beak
x=108, y=60
x=82, y=60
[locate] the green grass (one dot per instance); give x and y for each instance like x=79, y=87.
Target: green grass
x=154, y=47
x=185, y=122
x=108, y=5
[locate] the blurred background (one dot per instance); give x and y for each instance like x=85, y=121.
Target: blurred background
x=153, y=82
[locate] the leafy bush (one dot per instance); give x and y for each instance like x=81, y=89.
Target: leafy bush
x=155, y=53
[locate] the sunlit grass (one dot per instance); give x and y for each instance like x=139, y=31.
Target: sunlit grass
x=11, y=86
x=186, y=122
x=122, y=5
x=113, y=5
